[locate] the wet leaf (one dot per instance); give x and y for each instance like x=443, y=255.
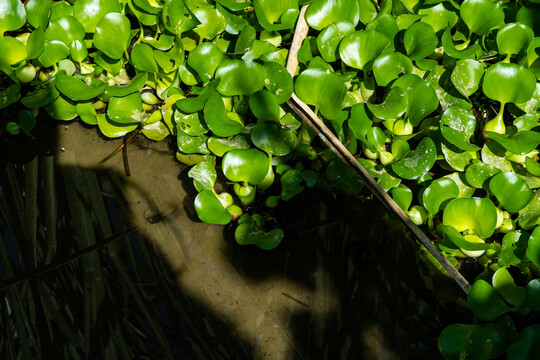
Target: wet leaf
x=388, y=67
x=484, y=301
x=76, y=89
x=126, y=110
x=329, y=39
x=466, y=76
x=360, y=48
x=273, y=138
x=420, y=40
x=221, y=122
x=247, y=166
x=322, y=13
x=210, y=210
x=513, y=37
x=464, y=341
x=239, y=77
x=492, y=15
x=422, y=98
x=457, y=127
x=437, y=193
x=477, y=215
x=142, y=58
x=90, y=12
x=508, y=83
x=112, y=46
x=205, y=174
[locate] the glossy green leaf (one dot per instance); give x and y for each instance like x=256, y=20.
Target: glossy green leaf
x=210, y=210
x=126, y=110
x=520, y=143
x=328, y=40
x=290, y=182
x=508, y=83
x=478, y=173
x=360, y=122
x=65, y=29
x=112, y=46
x=264, y=106
x=504, y=284
x=13, y=15
x=466, y=76
x=533, y=247
x=502, y=333
x=393, y=106
x=78, y=51
x=422, y=98
x=61, y=109
x=38, y=12
x=420, y=40
x=455, y=157
x=142, y=58
x=41, y=97
x=219, y=146
x=532, y=166
x=437, y=193
x=400, y=148
x=440, y=16
x=403, y=196
x=249, y=233
x=273, y=138
x=439, y=78
x=191, y=144
x=278, y=81
x=205, y=174
x=417, y=162
x=323, y=89
x=221, y=122
x=60, y=9
x=513, y=37
x=191, y=124
x=170, y=60
x=465, y=341
x=451, y=50
x=386, y=25
x=194, y=104
x=532, y=295
x=276, y=14
x=156, y=131
x=484, y=301
x=527, y=121
x=211, y=22
x=388, y=67
x=492, y=15
x=494, y=154
x=10, y=95
x=177, y=18
x=360, y=48
x=76, y=89
x=477, y=215
x=27, y=121
x=137, y=82
x=239, y=77
x=90, y=12
x=13, y=53
x=533, y=104
x=35, y=44
x=112, y=129
x=527, y=346
x=322, y=13
x=511, y=191
x=247, y=166
x=457, y=127
x=87, y=112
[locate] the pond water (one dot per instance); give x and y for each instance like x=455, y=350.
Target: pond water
x=346, y=283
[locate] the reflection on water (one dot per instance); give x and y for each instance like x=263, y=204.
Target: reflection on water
x=346, y=283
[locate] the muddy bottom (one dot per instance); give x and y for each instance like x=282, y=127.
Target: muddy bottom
x=346, y=283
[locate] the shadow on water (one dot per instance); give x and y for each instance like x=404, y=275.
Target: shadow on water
x=345, y=284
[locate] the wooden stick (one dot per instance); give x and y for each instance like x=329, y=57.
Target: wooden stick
x=305, y=112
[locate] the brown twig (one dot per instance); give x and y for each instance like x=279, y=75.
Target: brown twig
x=305, y=112
x=125, y=157
x=124, y=143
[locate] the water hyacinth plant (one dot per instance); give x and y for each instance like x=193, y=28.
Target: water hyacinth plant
x=438, y=100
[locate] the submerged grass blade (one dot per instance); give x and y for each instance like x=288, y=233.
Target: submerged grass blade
x=51, y=207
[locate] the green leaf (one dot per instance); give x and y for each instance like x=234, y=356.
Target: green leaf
x=112, y=46
x=329, y=39
x=247, y=166
x=466, y=76
x=477, y=215
x=90, y=12
x=35, y=44
x=249, y=233
x=532, y=295
x=511, y=191
x=87, y=112
x=194, y=104
x=278, y=81
x=191, y=144
x=322, y=13
x=172, y=59
x=323, y=89
x=13, y=15
x=388, y=67
x=219, y=146
x=437, y=193
x=527, y=121
x=532, y=166
x=533, y=247
x=386, y=25
x=420, y=40
x=422, y=98
x=418, y=162
x=210, y=210
x=457, y=127
x=13, y=52
x=212, y=23
x=264, y=106
x=465, y=341
x=112, y=129
x=204, y=173
x=522, y=142
x=508, y=83
x=126, y=110
x=403, y=196
x=76, y=89
x=41, y=97
x=136, y=84
x=502, y=333
x=343, y=178
x=239, y=77
x=492, y=15
x=142, y=58
x=276, y=15
x=484, y=301
x=529, y=216
x=65, y=29
x=393, y=106
x=10, y=95
x=38, y=12
x=504, y=284
x=455, y=157
x=440, y=16
x=451, y=50
x=191, y=124
x=53, y=52
x=273, y=138
x=494, y=154
x=360, y=48
x=478, y=173
x=27, y=121
x=220, y=122
x=61, y=109
x=439, y=79
x=513, y=37
x=527, y=346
